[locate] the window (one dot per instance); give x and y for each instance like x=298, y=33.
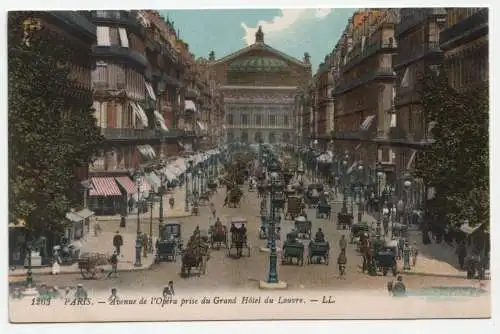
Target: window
x=258, y=119
x=272, y=120
x=123, y=37
x=285, y=120
x=230, y=119
x=244, y=119
x=103, y=36
x=393, y=118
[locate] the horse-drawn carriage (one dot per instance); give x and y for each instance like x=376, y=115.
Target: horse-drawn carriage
x=169, y=242
x=399, y=230
x=344, y=220
x=90, y=265
x=313, y=194
x=294, y=207
x=379, y=256
x=196, y=254
x=323, y=210
x=357, y=230
x=319, y=250
x=292, y=249
x=303, y=227
x=218, y=236
x=238, y=237
x=233, y=197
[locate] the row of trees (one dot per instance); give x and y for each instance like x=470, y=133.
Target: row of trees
x=457, y=164
x=51, y=127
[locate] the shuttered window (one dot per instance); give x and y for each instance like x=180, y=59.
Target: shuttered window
x=103, y=37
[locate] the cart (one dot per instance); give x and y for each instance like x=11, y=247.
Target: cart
x=320, y=251
x=303, y=227
x=323, y=210
x=292, y=250
x=172, y=230
x=90, y=265
x=294, y=207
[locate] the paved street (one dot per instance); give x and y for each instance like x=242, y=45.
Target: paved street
x=224, y=272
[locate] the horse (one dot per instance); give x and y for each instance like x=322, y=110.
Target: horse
x=365, y=249
x=190, y=259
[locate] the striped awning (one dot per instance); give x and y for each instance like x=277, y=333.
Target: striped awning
x=147, y=151
x=104, y=186
x=127, y=184
x=367, y=123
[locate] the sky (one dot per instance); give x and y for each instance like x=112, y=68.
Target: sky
x=292, y=31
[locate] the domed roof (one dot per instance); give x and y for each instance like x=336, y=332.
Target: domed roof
x=257, y=63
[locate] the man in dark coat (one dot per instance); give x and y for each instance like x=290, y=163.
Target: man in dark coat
x=320, y=236
x=117, y=242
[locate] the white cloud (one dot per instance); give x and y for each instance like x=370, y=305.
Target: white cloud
x=287, y=19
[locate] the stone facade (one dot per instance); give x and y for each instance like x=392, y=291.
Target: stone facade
x=260, y=85
x=323, y=102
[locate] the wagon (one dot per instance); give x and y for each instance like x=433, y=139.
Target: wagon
x=294, y=207
x=166, y=250
x=385, y=260
x=172, y=230
x=399, y=230
x=344, y=220
x=319, y=250
x=292, y=250
x=358, y=229
x=218, y=238
x=303, y=227
x=90, y=264
x=323, y=210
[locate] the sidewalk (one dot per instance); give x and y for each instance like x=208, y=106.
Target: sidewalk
x=433, y=259
x=176, y=212
x=102, y=244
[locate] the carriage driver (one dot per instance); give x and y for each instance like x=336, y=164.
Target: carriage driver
x=218, y=225
x=320, y=236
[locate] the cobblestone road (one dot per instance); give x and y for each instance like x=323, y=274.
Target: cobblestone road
x=228, y=273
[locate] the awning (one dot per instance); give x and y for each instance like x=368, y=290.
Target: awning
x=161, y=121
x=153, y=180
x=104, y=186
x=139, y=112
x=189, y=105
x=170, y=175
x=73, y=217
x=147, y=151
x=127, y=184
x=201, y=125
x=85, y=213
x=367, y=123
x=150, y=90
x=411, y=160
x=349, y=171
x=175, y=170
x=181, y=164
x=20, y=223
x=466, y=228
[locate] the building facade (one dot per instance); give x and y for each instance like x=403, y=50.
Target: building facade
x=260, y=85
x=465, y=44
x=364, y=81
x=323, y=100
x=418, y=49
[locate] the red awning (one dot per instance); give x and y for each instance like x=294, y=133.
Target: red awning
x=104, y=186
x=127, y=184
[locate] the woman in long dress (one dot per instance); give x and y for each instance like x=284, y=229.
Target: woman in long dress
x=56, y=267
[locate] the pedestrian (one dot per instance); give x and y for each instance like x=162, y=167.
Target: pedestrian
x=399, y=289
x=342, y=243
x=214, y=211
x=80, y=292
x=114, y=265
x=56, y=262
x=462, y=254
x=414, y=253
x=114, y=296
x=144, y=244
x=342, y=261
x=117, y=242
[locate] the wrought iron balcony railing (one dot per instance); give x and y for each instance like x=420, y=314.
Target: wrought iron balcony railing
x=381, y=72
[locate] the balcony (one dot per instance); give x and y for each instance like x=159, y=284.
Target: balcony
x=380, y=73
x=463, y=31
x=128, y=134
x=120, y=53
x=74, y=21
x=123, y=18
x=368, y=52
x=425, y=50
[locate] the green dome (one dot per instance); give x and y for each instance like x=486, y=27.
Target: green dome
x=267, y=64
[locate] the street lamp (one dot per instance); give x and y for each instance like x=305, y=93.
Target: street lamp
x=344, y=183
x=360, y=191
x=380, y=175
x=161, y=189
x=407, y=186
x=187, y=177
x=139, y=174
x=273, y=256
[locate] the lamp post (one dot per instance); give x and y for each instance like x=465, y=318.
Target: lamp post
x=202, y=176
x=380, y=175
x=29, y=274
x=139, y=174
x=273, y=256
x=407, y=186
x=187, y=177
x=344, y=183
x=360, y=199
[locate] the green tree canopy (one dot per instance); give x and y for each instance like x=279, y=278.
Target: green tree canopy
x=457, y=164
x=51, y=126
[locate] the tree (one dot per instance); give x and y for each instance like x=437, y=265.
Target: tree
x=457, y=164
x=51, y=127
